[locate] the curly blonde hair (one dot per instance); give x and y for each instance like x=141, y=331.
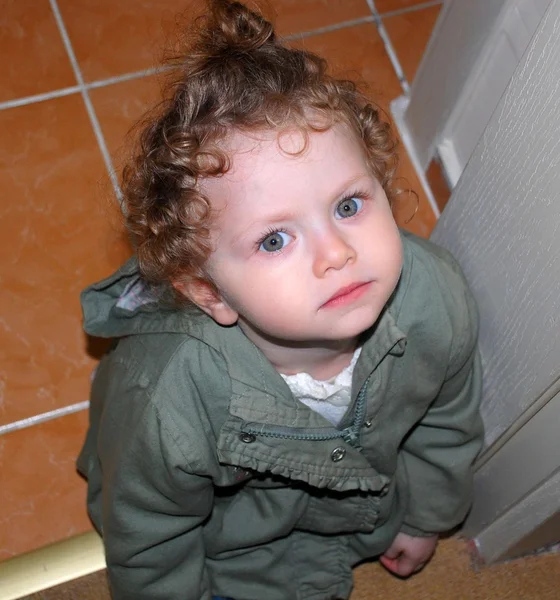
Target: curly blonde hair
x=235, y=75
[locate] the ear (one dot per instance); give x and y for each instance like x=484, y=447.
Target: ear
x=207, y=298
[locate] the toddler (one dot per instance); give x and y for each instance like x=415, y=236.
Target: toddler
x=294, y=383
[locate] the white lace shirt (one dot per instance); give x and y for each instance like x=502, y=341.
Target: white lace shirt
x=329, y=398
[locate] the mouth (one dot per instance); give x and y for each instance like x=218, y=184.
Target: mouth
x=347, y=294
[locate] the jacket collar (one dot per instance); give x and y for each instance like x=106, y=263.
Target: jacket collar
x=259, y=394
x=266, y=427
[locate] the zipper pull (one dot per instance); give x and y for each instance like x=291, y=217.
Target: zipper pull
x=351, y=437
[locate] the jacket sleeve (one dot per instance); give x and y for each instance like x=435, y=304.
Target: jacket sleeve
x=439, y=452
x=152, y=512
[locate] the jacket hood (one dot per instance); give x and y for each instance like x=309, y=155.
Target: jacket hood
x=123, y=304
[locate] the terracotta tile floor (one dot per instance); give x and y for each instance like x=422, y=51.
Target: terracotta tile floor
x=60, y=226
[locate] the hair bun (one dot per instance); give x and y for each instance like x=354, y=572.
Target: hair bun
x=234, y=27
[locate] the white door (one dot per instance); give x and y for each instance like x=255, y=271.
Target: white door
x=503, y=225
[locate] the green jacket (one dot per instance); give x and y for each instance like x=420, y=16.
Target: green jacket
x=207, y=477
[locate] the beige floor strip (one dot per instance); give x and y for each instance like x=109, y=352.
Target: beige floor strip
x=55, y=564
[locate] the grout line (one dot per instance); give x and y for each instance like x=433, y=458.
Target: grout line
x=87, y=100
x=329, y=28
x=389, y=47
x=402, y=11
x=376, y=17
x=127, y=77
x=398, y=110
x=398, y=106
x=43, y=417
x=82, y=87
x=393, y=57
x=77, y=88
x=39, y=97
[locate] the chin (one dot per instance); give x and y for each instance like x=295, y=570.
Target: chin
x=353, y=325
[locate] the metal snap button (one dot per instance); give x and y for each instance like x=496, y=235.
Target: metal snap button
x=338, y=454
x=247, y=438
x=368, y=423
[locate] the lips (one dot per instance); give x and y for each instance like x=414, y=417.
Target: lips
x=347, y=294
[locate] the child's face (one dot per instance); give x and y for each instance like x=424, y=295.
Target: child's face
x=306, y=248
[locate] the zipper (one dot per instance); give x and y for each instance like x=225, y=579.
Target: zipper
x=350, y=434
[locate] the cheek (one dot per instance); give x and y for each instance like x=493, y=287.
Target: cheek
x=260, y=290
x=393, y=252
x=273, y=291
x=274, y=303
x=391, y=240
x=385, y=249
x=388, y=236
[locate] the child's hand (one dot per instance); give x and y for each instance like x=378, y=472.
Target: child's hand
x=408, y=554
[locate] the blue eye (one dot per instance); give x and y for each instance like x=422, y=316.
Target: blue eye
x=274, y=241
x=348, y=207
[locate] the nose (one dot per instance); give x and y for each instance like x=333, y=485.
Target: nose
x=332, y=252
